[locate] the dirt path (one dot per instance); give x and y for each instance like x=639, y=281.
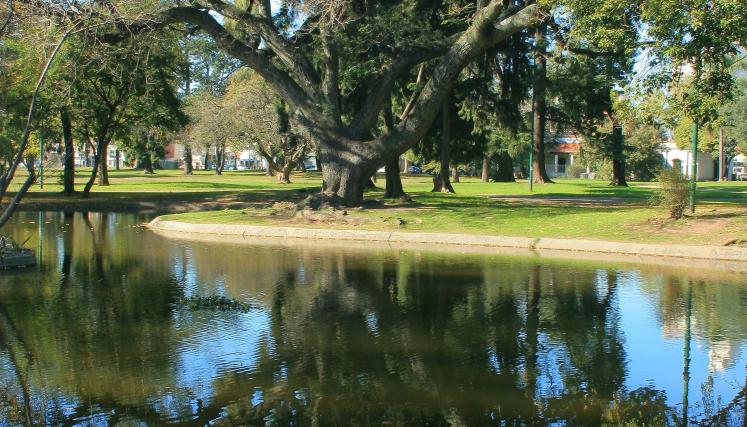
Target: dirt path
x=571, y=200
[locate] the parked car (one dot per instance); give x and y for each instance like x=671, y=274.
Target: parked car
x=414, y=169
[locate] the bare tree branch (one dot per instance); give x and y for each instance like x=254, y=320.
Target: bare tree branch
x=8, y=19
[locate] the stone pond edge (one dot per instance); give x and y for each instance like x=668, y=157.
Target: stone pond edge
x=720, y=253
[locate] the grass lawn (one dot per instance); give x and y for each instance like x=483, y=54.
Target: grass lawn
x=569, y=208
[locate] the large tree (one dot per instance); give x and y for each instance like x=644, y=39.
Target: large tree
x=303, y=67
x=299, y=52
x=118, y=91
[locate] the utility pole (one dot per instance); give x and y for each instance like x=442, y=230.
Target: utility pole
x=721, y=159
x=694, y=165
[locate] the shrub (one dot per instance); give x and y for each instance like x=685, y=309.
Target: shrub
x=576, y=169
x=673, y=192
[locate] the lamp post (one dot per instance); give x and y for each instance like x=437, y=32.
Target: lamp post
x=693, y=165
x=41, y=161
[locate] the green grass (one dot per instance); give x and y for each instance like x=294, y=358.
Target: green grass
x=589, y=209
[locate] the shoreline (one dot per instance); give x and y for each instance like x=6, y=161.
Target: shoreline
x=727, y=254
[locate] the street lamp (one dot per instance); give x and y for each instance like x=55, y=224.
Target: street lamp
x=694, y=164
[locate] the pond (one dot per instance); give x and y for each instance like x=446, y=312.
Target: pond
x=99, y=334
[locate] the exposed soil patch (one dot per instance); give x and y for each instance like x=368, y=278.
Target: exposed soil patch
x=571, y=200
x=720, y=228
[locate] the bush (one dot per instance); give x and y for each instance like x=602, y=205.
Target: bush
x=673, y=192
x=576, y=169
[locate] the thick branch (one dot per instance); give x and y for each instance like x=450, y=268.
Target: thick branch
x=381, y=87
x=416, y=90
x=299, y=65
x=331, y=82
x=489, y=28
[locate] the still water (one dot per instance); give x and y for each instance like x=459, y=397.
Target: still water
x=98, y=334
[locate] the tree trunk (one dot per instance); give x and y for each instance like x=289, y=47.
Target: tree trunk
x=454, y=174
x=148, y=165
x=268, y=168
x=187, y=159
x=116, y=160
x=540, y=108
x=485, y=168
x=618, y=158
x=68, y=179
x=405, y=165
x=285, y=172
x=505, y=168
x=207, y=158
x=342, y=183
x=100, y=147
x=220, y=158
x=393, y=188
x=441, y=182
x=283, y=177
x=103, y=166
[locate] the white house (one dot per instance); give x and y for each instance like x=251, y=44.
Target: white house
x=677, y=158
x=562, y=150
x=250, y=159
x=738, y=168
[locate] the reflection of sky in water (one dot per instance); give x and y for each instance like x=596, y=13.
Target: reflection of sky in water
x=217, y=343
x=656, y=360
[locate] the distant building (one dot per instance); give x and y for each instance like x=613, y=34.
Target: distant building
x=84, y=158
x=111, y=158
x=247, y=159
x=681, y=160
x=561, y=151
x=173, y=156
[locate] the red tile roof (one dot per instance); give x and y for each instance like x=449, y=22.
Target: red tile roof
x=565, y=147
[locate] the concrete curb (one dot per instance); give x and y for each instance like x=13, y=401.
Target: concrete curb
x=733, y=254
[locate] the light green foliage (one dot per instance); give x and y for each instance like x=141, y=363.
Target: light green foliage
x=253, y=100
x=600, y=25
x=644, y=134
x=734, y=119
x=208, y=68
x=210, y=122
x=707, y=136
x=248, y=115
x=693, y=40
x=21, y=61
x=245, y=115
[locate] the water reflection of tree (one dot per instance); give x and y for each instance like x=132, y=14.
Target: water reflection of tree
x=413, y=342
x=97, y=334
x=407, y=338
